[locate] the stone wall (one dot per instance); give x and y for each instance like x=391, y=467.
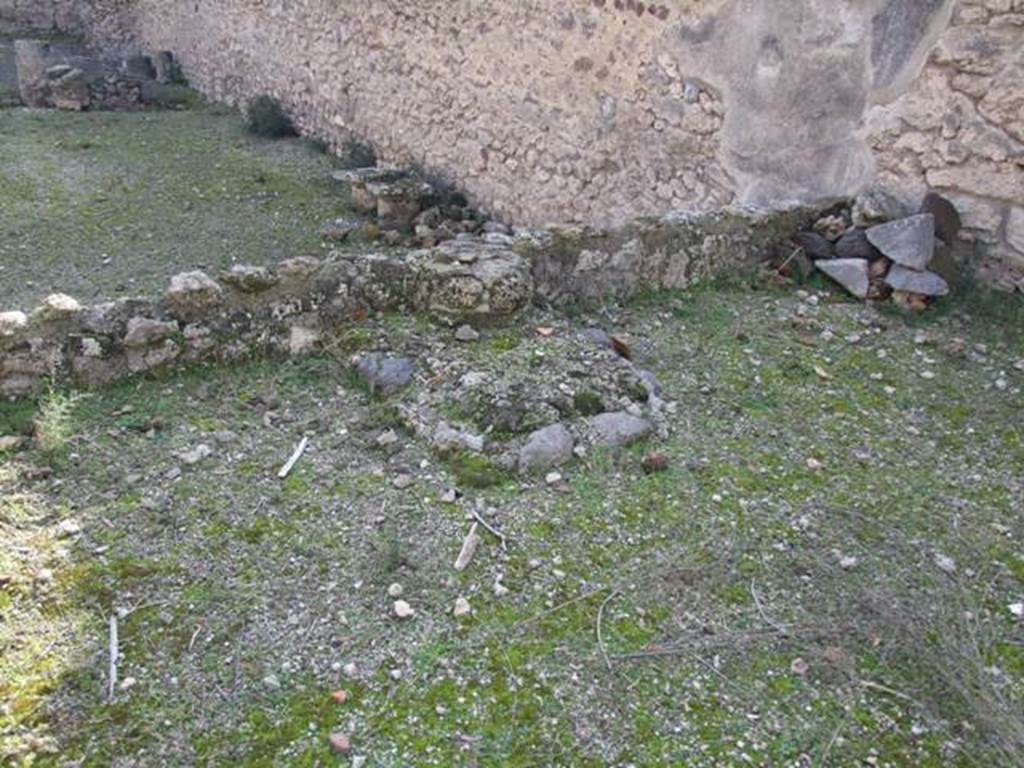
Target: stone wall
x=598, y=111
x=43, y=15
x=298, y=305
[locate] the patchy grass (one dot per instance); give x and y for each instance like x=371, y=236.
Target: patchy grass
x=106, y=203
x=743, y=607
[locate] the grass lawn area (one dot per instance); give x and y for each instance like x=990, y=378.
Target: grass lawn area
x=103, y=204
x=828, y=573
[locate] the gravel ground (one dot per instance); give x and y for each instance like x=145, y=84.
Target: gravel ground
x=827, y=570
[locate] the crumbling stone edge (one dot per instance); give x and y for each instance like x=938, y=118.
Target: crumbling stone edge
x=293, y=307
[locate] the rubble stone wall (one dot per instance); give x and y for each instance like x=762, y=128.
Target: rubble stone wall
x=599, y=111
x=296, y=306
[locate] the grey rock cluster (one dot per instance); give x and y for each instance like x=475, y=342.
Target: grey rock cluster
x=908, y=258
x=72, y=76
x=406, y=206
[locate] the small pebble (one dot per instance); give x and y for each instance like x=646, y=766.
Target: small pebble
x=945, y=564
x=462, y=608
x=403, y=610
x=340, y=742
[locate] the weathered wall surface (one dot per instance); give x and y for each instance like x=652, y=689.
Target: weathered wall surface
x=42, y=15
x=598, y=111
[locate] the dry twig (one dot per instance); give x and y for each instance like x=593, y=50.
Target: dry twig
x=296, y=455
x=600, y=636
x=112, y=673
x=492, y=529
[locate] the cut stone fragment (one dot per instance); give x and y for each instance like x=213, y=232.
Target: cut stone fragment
x=912, y=281
x=909, y=241
x=852, y=274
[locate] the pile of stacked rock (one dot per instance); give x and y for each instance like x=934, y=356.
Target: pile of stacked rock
x=407, y=207
x=908, y=260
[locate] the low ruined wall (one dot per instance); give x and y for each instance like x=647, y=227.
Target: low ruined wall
x=296, y=306
x=598, y=111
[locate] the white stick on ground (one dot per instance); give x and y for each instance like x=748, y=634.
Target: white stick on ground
x=299, y=450
x=112, y=676
x=492, y=529
x=469, y=545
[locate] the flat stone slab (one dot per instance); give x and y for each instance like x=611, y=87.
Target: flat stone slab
x=385, y=374
x=618, y=429
x=909, y=241
x=913, y=281
x=546, y=447
x=852, y=274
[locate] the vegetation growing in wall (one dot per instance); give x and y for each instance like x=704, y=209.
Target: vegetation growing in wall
x=265, y=117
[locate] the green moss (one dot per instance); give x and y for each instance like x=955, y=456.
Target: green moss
x=588, y=403
x=474, y=471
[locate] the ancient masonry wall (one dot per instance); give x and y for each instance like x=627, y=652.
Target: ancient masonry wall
x=598, y=111
x=299, y=305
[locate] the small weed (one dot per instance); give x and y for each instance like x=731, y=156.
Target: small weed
x=587, y=403
x=473, y=471
x=55, y=423
x=357, y=154
x=176, y=76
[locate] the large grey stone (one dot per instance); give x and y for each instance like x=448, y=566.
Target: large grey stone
x=855, y=245
x=852, y=274
x=618, y=429
x=467, y=279
x=912, y=281
x=144, y=331
x=909, y=241
x=250, y=279
x=11, y=322
x=55, y=308
x=876, y=206
x=192, y=293
x=947, y=217
x=384, y=374
x=815, y=246
x=547, y=447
